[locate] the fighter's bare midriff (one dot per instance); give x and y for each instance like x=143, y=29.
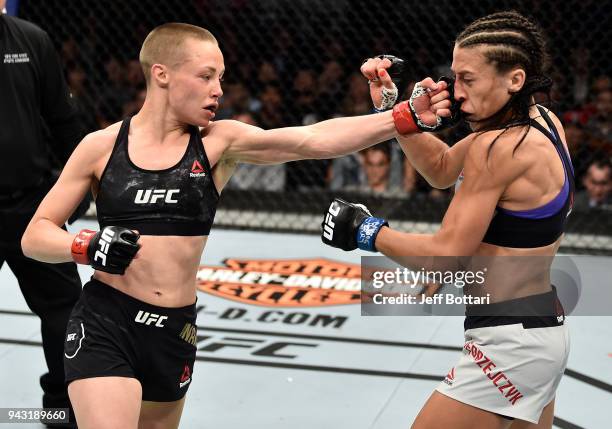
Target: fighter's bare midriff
x=163, y=272
x=513, y=273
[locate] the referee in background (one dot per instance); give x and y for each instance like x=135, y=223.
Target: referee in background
x=39, y=128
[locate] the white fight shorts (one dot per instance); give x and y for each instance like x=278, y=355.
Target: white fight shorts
x=508, y=368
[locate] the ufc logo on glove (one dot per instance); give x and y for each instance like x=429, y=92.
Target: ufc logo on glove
x=348, y=226
x=105, y=239
x=328, y=227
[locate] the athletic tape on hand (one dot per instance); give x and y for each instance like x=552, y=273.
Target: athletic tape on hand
x=389, y=97
x=417, y=92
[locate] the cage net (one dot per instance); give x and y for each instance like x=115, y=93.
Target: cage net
x=296, y=62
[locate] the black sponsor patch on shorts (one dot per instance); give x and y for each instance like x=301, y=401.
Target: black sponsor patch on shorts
x=75, y=334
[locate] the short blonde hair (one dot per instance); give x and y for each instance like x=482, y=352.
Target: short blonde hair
x=163, y=45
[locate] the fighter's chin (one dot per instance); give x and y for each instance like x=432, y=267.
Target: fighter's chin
x=472, y=121
x=202, y=122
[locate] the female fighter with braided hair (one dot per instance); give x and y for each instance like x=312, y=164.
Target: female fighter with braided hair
x=515, y=195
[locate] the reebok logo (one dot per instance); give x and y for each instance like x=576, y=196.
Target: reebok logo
x=185, y=377
x=450, y=377
x=328, y=227
x=147, y=318
x=105, y=239
x=197, y=170
x=151, y=196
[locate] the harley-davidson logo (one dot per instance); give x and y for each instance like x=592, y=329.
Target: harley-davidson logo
x=283, y=283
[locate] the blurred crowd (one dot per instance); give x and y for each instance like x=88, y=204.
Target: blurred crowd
x=297, y=62
x=271, y=98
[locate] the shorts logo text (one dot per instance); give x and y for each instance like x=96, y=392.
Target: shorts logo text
x=499, y=379
x=151, y=196
x=147, y=318
x=190, y=334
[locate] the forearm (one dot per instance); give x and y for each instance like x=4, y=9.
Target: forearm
x=417, y=251
x=341, y=136
x=44, y=241
x=428, y=154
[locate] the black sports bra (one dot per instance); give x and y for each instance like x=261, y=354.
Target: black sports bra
x=543, y=225
x=180, y=200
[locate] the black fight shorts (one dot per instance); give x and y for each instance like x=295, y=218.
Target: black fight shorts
x=112, y=334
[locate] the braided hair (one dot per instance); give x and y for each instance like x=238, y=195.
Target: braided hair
x=511, y=40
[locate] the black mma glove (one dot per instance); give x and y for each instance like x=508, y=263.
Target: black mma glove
x=407, y=116
x=397, y=73
x=110, y=250
x=348, y=226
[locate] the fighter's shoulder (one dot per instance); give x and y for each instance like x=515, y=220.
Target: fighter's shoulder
x=556, y=121
x=227, y=128
x=98, y=143
x=494, y=152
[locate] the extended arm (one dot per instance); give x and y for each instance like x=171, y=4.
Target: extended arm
x=466, y=221
x=323, y=140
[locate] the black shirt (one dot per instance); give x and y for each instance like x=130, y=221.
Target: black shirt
x=34, y=99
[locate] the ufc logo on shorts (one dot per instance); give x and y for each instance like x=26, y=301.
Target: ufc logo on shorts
x=153, y=195
x=105, y=239
x=71, y=337
x=147, y=318
x=328, y=228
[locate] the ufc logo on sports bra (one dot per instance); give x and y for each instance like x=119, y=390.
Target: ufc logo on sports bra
x=105, y=239
x=328, y=228
x=147, y=318
x=151, y=196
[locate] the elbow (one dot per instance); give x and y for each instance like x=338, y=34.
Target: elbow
x=442, y=181
x=26, y=244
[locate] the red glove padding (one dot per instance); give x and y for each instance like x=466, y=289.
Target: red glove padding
x=408, y=121
x=403, y=119
x=110, y=250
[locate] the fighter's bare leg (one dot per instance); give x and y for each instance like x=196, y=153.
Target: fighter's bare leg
x=106, y=402
x=546, y=419
x=161, y=415
x=440, y=411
